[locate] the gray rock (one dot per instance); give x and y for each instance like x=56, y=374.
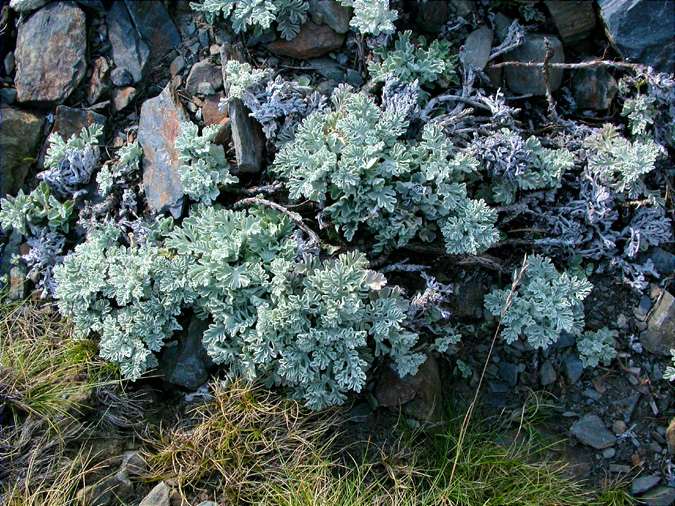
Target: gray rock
x=420, y=395
x=433, y=15
x=129, y=51
x=328, y=68
x=659, y=496
x=509, y=373
x=331, y=13
x=20, y=135
x=186, y=364
x=156, y=26
x=158, y=496
x=9, y=63
x=663, y=260
x=121, y=77
x=207, y=503
x=573, y=368
x=642, y=30
x=106, y=491
x=68, y=121
x=547, y=374
x=659, y=337
x=133, y=464
x=158, y=127
x=608, y=453
x=25, y=6
x=591, y=431
x=247, y=137
x=205, y=78
x=477, y=48
x=644, y=483
x=7, y=95
x=594, y=88
x=122, y=97
x=51, y=50
x=530, y=80
x=98, y=82
x=574, y=19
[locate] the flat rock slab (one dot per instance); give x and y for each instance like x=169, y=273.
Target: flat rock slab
x=156, y=26
x=20, y=135
x=591, y=431
x=477, y=48
x=129, y=51
x=205, y=78
x=158, y=128
x=312, y=41
x=51, y=50
x=642, y=30
x=574, y=19
x=68, y=121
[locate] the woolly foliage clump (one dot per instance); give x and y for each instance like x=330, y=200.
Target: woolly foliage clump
x=544, y=304
x=355, y=162
x=257, y=14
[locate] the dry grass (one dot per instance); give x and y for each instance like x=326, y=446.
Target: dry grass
x=44, y=372
x=242, y=438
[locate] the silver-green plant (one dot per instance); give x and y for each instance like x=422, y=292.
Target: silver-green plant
x=37, y=209
x=408, y=61
x=114, y=174
x=130, y=296
x=257, y=14
x=596, y=347
x=372, y=17
x=356, y=164
x=203, y=168
x=285, y=316
x=543, y=305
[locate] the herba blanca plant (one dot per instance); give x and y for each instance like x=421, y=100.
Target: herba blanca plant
x=372, y=17
x=514, y=163
x=596, y=347
x=258, y=14
x=277, y=104
x=408, y=61
x=203, y=169
x=543, y=305
x=130, y=296
x=278, y=314
x=355, y=162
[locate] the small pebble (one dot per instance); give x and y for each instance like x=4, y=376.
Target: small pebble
x=609, y=453
x=619, y=427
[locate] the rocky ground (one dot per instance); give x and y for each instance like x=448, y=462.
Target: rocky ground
x=140, y=67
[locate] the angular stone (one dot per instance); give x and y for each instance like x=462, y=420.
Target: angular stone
x=530, y=80
x=331, y=13
x=129, y=51
x=20, y=135
x=186, y=364
x=574, y=19
x=477, y=48
x=122, y=97
x=420, y=394
x=312, y=41
x=591, y=431
x=432, y=15
x=98, y=82
x=17, y=283
x=247, y=137
x=68, y=121
x=663, y=260
x=158, y=496
x=573, y=368
x=644, y=483
x=594, y=88
x=547, y=374
x=7, y=96
x=659, y=496
x=156, y=26
x=158, y=128
x=659, y=337
x=205, y=78
x=642, y=30
x=51, y=49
